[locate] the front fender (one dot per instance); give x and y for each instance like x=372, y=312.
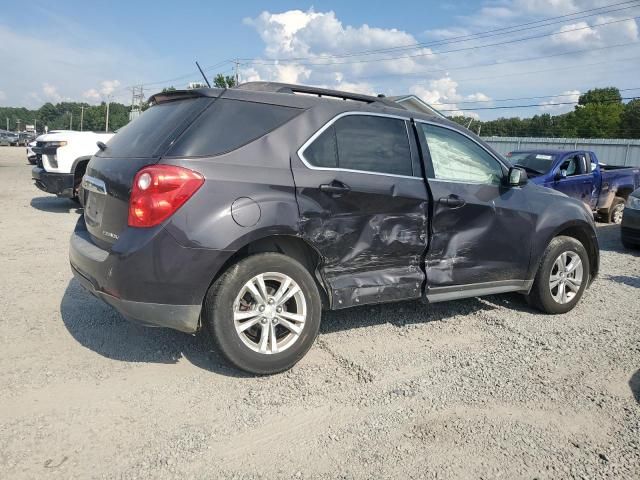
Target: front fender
x=565, y=216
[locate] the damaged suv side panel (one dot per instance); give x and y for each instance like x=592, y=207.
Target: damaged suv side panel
x=364, y=206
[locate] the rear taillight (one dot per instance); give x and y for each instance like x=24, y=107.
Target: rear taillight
x=158, y=191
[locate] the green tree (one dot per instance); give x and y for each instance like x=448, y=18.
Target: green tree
x=600, y=95
x=598, y=113
x=222, y=81
x=630, y=119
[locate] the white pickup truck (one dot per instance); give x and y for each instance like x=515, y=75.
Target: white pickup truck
x=62, y=158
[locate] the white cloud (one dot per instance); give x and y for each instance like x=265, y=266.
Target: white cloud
x=313, y=36
x=108, y=86
x=92, y=95
x=565, y=97
x=51, y=92
x=443, y=94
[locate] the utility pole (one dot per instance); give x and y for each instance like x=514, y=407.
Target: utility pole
x=106, y=123
x=35, y=125
x=81, y=116
x=18, y=125
x=237, y=73
x=70, y=120
x=137, y=99
x=7, y=124
x=479, y=129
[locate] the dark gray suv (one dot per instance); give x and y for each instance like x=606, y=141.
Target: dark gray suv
x=248, y=211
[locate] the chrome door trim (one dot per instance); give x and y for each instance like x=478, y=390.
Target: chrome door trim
x=335, y=119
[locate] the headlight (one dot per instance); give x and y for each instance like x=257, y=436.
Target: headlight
x=633, y=203
x=55, y=144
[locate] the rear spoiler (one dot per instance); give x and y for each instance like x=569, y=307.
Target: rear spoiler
x=174, y=95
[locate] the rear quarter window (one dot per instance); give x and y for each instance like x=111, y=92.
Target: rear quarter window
x=151, y=133
x=229, y=124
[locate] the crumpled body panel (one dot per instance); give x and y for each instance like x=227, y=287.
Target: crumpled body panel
x=382, y=258
x=372, y=240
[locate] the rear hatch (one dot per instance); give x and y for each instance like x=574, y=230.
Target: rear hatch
x=110, y=173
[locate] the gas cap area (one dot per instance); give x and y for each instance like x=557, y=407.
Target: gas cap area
x=245, y=212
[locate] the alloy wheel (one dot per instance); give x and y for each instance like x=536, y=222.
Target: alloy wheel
x=269, y=313
x=566, y=277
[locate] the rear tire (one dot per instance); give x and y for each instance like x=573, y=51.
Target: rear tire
x=616, y=210
x=253, y=323
x=556, y=289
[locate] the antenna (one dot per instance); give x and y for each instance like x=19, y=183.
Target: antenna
x=203, y=75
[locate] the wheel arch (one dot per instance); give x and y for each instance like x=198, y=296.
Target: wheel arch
x=290, y=245
x=80, y=166
x=585, y=234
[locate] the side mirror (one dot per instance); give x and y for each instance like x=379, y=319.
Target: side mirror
x=517, y=177
x=560, y=175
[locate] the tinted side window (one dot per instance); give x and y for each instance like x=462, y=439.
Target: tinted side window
x=373, y=144
x=151, y=133
x=323, y=152
x=230, y=124
x=455, y=157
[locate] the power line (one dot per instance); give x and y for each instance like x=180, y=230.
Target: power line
x=487, y=33
x=527, y=72
x=521, y=98
x=527, y=106
x=498, y=64
x=426, y=54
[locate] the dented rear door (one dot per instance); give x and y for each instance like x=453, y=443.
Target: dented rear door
x=364, y=206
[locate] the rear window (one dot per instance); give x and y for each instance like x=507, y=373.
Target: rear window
x=151, y=133
x=228, y=125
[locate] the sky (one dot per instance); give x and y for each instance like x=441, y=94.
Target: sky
x=463, y=57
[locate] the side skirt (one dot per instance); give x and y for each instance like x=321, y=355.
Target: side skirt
x=443, y=294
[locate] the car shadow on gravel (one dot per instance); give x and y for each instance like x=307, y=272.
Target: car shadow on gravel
x=634, y=384
x=625, y=280
x=55, y=205
x=98, y=327
x=414, y=312
x=609, y=240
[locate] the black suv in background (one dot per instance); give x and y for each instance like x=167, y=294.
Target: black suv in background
x=248, y=211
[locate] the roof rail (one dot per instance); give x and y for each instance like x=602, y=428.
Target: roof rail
x=277, y=87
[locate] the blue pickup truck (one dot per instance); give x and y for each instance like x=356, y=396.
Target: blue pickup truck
x=579, y=174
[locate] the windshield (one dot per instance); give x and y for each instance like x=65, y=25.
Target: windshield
x=536, y=162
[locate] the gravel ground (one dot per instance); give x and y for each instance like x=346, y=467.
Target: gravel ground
x=482, y=388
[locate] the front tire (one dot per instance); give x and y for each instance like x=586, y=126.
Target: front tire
x=562, y=277
x=264, y=313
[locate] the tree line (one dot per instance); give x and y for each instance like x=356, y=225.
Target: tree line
x=67, y=116
x=79, y=115
x=600, y=113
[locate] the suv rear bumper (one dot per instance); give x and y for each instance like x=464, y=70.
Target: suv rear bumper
x=179, y=317
x=148, y=277
x=60, y=184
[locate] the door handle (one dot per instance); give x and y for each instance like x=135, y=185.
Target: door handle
x=335, y=188
x=452, y=201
